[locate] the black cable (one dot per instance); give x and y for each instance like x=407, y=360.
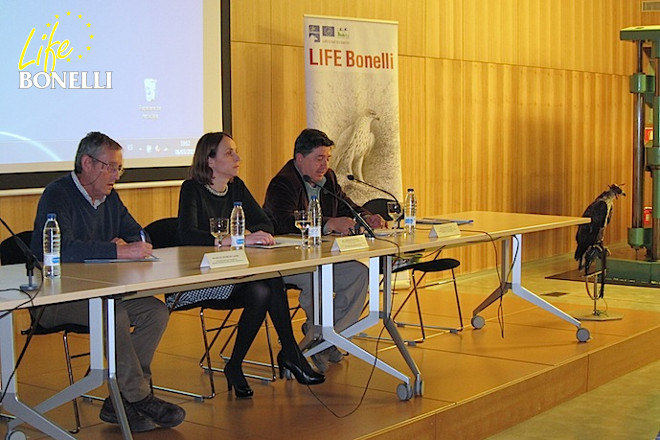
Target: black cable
x=500, y=308
x=33, y=326
x=375, y=355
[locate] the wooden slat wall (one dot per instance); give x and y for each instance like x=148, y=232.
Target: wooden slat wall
x=505, y=105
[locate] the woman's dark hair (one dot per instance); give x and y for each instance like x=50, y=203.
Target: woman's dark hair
x=207, y=146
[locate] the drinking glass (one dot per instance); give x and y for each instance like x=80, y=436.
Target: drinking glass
x=394, y=211
x=301, y=217
x=219, y=228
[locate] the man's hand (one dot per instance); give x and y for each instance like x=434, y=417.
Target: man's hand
x=376, y=221
x=341, y=225
x=137, y=249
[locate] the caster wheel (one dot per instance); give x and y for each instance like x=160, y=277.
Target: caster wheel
x=404, y=391
x=583, y=334
x=419, y=387
x=16, y=435
x=478, y=322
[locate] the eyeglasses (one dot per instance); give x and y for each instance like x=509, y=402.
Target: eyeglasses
x=111, y=167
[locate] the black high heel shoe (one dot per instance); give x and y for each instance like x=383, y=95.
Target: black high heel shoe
x=309, y=377
x=236, y=380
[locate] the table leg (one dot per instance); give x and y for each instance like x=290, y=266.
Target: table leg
x=34, y=416
x=111, y=350
x=513, y=268
x=327, y=321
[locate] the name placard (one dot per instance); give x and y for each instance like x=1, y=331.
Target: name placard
x=351, y=243
x=214, y=260
x=444, y=230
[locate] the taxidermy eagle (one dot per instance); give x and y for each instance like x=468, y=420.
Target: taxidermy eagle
x=589, y=236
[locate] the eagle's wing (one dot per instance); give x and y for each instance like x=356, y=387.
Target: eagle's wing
x=588, y=233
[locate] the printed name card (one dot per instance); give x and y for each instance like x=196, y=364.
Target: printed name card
x=351, y=243
x=444, y=230
x=215, y=260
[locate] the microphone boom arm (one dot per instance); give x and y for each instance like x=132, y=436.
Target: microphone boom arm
x=358, y=218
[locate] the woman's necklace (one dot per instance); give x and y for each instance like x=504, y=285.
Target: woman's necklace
x=217, y=193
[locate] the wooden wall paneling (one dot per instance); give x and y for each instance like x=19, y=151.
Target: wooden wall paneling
x=288, y=104
x=579, y=148
x=490, y=33
x=496, y=172
x=578, y=31
x=444, y=29
x=628, y=14
x=533, y=29
x=411, y=16
x=525, y=143
x=567, y=46
x=444, y=133
x=288, y=19
x=251, y=20
x=412, y=115
x=554, y=51
x=647, y=18
x=18, y=212
x=252, y=115
x=474, y=132
x=149, y=204
x=287, y=22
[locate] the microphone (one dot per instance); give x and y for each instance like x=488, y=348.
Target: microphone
x=353, y=178
x=358, y=217
x=31, y=260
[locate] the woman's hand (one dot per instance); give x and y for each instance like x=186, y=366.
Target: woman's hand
x=259, y=237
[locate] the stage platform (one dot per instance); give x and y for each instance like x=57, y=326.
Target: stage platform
x=476, y=383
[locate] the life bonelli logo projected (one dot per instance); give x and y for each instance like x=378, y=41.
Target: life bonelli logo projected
x=65, y=41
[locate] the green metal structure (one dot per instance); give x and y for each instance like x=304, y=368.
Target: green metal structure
x=646, y=90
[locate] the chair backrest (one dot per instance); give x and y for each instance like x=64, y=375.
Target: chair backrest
x=10, y=252
x=163, y=232
x=378, y=206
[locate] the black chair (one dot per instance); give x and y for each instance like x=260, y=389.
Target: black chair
x=425, y=267
x=379, y=206
x=162, y=233
x=11, y=253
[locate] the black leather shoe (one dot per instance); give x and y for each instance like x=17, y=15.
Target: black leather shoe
x=309, y=377
x=236, y=380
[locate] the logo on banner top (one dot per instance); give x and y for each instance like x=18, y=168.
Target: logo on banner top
x=329, y=33
x=47, y=53
x=325, y=34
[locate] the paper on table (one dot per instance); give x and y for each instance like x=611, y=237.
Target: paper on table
x=152, y=258
x=279, y=242
x=438, y=221
x=383, y=232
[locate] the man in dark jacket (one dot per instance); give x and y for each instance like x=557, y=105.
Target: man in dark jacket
x=289, y=191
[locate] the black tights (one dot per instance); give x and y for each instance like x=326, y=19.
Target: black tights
x=256, y=298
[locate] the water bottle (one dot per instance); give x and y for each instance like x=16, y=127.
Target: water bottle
x=410, y=211
x=315, y=222
x=237, y=226
x=51, y=242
